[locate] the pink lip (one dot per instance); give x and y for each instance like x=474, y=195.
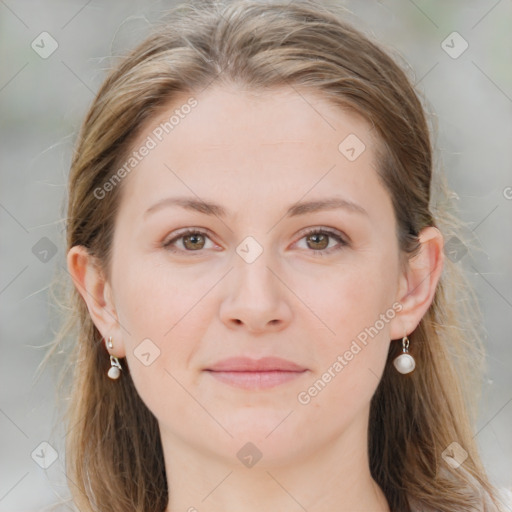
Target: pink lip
x=247, y=373
x=246, y=364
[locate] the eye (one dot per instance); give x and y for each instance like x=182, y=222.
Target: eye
x=192, y=240
x=318, y=240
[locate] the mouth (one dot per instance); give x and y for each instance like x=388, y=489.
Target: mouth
x=252, y=374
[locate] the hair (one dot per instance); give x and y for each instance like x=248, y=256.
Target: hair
x=113, y=445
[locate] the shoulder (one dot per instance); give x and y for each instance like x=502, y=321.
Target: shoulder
x=479, y=498
x=506, y=497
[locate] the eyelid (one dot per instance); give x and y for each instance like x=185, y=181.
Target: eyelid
x=169, y=240
x=342, y=239
x=324, y=229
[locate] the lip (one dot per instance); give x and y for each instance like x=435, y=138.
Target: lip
x=246, y=364
x=247, y=373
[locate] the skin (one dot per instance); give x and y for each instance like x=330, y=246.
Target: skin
x=256, y=155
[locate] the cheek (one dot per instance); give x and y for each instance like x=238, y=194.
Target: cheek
x=153, y=300
x=350, y=362
x=168, y=308
x=356, y=296
x=356, y=305
x=161, y=316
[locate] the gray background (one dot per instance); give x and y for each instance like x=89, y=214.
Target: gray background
x=43, y=100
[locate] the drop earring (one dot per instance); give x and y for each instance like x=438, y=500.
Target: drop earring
x=115, y=366
x=405, y=363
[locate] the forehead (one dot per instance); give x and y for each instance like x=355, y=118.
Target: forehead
x=277, y=115
x=275, y=143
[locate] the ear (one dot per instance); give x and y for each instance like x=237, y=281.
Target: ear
x=417, y=284
x=89, y=280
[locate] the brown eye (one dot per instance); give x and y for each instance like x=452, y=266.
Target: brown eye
x=193, y=242
x=319, y=241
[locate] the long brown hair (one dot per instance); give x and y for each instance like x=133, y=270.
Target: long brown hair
x=113, y=445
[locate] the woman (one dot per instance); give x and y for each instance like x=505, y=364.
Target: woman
x=265, y=317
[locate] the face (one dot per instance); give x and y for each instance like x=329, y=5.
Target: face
x=256, y=275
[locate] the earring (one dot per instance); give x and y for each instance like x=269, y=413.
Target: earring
x=405, y=363
x=115, y=368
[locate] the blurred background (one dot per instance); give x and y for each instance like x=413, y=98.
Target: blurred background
x=53, y=57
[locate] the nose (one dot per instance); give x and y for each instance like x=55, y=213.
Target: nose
x=256, y=300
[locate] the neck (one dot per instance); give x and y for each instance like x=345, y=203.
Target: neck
x=334, y=477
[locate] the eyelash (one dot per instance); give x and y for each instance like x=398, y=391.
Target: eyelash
x=316, y=231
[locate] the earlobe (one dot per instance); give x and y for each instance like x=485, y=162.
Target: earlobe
x=90, y=282
x=419, y=281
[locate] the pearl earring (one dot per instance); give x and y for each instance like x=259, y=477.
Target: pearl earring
x=405, y=363
x=115, y=366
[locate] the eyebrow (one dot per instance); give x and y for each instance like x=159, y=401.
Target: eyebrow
x=211, y=208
